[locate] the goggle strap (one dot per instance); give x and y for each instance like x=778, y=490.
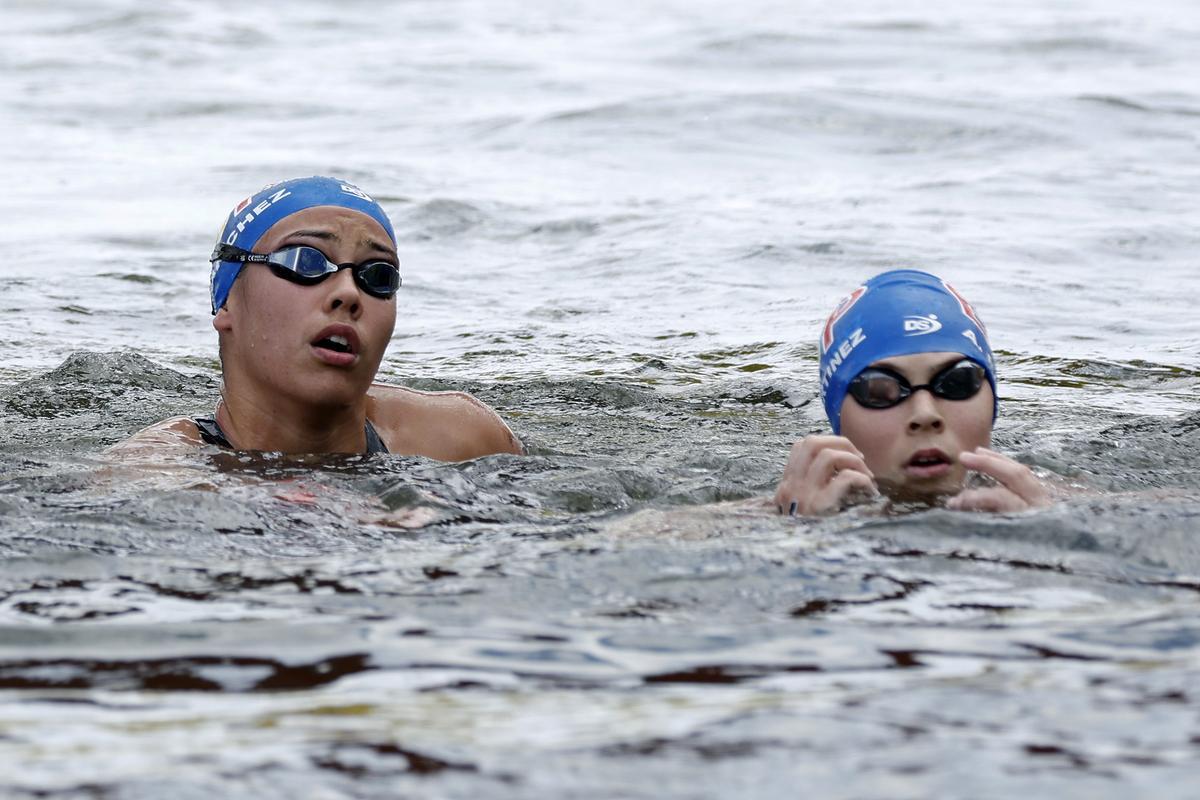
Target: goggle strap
x=227, y=252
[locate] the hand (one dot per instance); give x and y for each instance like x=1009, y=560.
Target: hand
x=821, y=475
x=1019, y=488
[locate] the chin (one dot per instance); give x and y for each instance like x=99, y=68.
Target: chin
x=905, y=489
x=335, y=391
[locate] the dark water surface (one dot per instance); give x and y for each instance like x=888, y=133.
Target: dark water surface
x=622, y=228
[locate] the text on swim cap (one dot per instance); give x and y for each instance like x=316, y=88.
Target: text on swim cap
x=257, y=211
x=839, y=356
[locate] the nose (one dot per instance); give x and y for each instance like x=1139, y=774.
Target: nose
x=343, y=294
x=923, y=413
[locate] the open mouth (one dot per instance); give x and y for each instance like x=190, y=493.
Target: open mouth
x=929, y=463
x=338, y=344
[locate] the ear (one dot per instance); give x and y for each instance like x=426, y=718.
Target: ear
x=226, y=316
x=223, y=319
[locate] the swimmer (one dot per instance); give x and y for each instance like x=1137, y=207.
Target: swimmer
x=303, y=288
x=909, y=385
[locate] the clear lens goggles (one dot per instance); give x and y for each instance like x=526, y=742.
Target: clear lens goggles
x=876, y=387
x=308, y=266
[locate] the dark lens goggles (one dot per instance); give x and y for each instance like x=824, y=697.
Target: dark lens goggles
x=876, y=387
x=308, y=266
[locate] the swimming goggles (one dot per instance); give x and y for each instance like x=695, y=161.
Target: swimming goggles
x=308, y=266
x=878, y=387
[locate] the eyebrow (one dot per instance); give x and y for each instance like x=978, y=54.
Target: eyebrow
x=329, y=236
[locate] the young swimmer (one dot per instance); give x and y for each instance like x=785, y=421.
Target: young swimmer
x=303, y=287
x=909, y=385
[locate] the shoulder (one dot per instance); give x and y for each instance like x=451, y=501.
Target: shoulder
x=160, y=438
x=448, y=426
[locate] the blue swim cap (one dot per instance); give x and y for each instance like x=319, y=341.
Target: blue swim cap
x=254, y=216
x=897, y=313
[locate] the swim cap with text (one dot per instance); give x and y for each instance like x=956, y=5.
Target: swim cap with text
x=897, y=313
x=255, y=215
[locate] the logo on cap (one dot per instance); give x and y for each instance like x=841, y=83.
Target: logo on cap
x=356, y=192
x=918, y=325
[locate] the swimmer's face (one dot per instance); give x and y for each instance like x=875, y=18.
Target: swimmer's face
x=913, y=447
x=290, y=338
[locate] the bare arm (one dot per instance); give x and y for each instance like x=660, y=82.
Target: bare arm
x=169, y=437
x=448, y=426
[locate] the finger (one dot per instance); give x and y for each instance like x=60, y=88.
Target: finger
x=847, y=483
x=830, y=462
x=995, y=499
x=1013, y=475
x=788, y=499
x=786, y=493
x=791, y=508
x=827, y=464
x=834, y=496
x=804, y=451
x=797, y=484
x=822, y=441
x=837, y=494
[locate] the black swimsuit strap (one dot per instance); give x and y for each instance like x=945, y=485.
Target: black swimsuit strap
x=211, y=433
x=374, y=443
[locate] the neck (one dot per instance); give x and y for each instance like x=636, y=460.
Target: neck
x=281, y=424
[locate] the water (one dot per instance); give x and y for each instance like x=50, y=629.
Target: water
x=622, y=227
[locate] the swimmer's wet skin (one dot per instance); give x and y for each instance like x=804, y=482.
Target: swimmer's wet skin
x=303, y=290
x=908, y=382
